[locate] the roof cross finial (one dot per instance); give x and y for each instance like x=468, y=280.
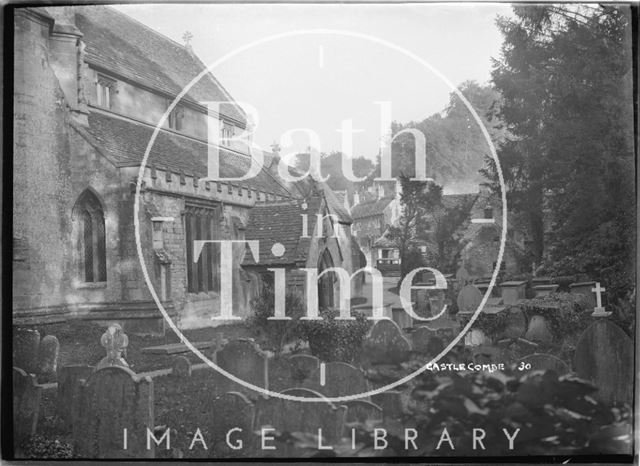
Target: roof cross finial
x=186, y=37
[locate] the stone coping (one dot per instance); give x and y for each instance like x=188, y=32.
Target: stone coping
x=589, y=283
x=513, y=283
x=547, y=286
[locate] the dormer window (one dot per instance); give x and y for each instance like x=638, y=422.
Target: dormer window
x=175, y=117
x=105, y=91
x=226, y=133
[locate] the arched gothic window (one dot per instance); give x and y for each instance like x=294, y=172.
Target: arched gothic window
x=89, y=216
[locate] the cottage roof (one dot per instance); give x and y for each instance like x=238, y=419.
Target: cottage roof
x=121, y=45
x=370, y=208
x=124, y=142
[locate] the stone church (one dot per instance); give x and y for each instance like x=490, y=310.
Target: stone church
x=90, y=86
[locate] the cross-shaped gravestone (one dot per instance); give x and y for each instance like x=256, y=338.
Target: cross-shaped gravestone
x=114, y=340
x=599, y=309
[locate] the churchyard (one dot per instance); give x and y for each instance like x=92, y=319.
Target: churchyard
x=544, y=369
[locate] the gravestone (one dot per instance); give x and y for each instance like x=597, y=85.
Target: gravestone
x=114, y=341
x=181, y=367
x=113, y=399
x=539, y=330
x=48, y=358
x=230, y=410
x=516, y=323
x=390, y=402
x=25, y=349
x=281, y=374
x=294, y=416
x=476, y=337
x=513, y=291
x=341, y=379
x=542, y=361
x=362, y=411
x=385, y=344
x=26, y=405
x=604, y=355
x=69, y=378
x=420, y=338
x=244, y=359
x=469, y=299
x=303, y=365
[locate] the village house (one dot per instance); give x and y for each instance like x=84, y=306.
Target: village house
x=91, y=84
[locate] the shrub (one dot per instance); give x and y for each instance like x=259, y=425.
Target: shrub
x=274, y=334
x=39, y=447
x=335, y=340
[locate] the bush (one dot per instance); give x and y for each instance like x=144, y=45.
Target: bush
x=335, y=340
x=274, y=334
x=555, y=415
x=39, y=447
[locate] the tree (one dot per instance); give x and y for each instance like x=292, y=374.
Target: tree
x=566, y=81
x=417, y=200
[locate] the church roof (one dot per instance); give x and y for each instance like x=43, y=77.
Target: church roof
x=124, y=142
x=121, y=45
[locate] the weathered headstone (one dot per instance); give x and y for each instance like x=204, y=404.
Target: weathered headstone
x=230, y=411
x=539, y=330
x=244, y=359
x=604, y=355
x=542, y=361
x=340, y=379
x=390, y=402
x=113, y=399
x=69, y=378
x=26, y=404
x=469, y=299
x=476, y=337
x=516, y=323
x=420, y=338
x=25, y=349
x=281, y=374
x=385, y=344
x=48, y=358
x=294, y=416
x=303, y=365
x=513, y=291
x=181, y=367
x=114, y=341
x=362, y=411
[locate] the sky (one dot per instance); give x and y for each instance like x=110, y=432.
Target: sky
x=317, y=78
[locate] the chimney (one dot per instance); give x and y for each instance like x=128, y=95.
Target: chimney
x=356, y=198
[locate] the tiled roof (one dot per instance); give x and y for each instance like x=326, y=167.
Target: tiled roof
x=335, y=206
x=370, y=208
x=118, y=43
x=281, y=223
x=125, y=141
